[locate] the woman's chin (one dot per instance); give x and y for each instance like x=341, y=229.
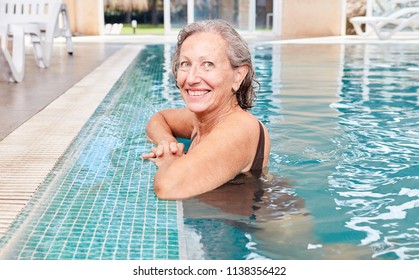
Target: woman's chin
x=197, y=109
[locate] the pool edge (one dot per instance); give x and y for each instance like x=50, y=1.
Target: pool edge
x=30, y=152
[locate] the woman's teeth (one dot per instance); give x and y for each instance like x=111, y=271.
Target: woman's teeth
x=197, y=92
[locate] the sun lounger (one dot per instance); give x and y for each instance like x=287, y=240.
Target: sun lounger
x=12, y=66
x=113, y=29
x=43, y=20
x=386, y=27
x=116, y=28
x=108, y=28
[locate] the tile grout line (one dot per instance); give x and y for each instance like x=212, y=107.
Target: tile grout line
x=30, y=152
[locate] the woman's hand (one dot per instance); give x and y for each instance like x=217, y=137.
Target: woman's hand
x=164, y=152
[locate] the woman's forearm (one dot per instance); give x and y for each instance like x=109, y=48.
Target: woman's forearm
x=157, y=129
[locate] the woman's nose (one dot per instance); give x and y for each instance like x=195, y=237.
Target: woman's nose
x=194, y=75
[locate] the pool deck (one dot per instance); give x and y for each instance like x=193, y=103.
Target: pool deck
x=40, y=116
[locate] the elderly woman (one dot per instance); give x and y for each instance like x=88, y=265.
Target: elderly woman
x=214, y=72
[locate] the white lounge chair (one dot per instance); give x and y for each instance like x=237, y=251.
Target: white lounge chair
x=108, y=28
x=113, y=29
x=43, y=20
x=116, y=28
x=12, y=66
x=388, y=26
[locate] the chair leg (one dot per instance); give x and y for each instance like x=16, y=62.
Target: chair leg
x=38, y=45
x=66, y=30
x=15, y=63
x=18, y=51
x=38, y=52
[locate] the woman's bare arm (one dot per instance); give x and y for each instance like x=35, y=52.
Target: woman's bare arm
x=169, y=124
x=227, y=151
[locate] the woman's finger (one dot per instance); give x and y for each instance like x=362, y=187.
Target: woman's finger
x=173, y=147
x=160, y=149
x=180, y=148
x=148, y=155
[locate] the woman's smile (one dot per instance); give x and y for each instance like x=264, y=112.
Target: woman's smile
x=192, y=92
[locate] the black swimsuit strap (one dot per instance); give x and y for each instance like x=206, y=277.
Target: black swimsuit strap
x=193, y=137
x=260, y=151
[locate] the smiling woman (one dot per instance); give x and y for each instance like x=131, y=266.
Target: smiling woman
x=213, y=69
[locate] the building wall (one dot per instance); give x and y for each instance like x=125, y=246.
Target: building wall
x=86, y=17
x=226, y=9
x=300, y=18
x=243, y=19
x=312, y=18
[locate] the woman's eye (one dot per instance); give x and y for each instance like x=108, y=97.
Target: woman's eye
x=184, y=64
x=208, y=64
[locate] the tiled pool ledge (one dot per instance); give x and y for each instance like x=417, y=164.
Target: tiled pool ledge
x=95, y=198
x=31, y=151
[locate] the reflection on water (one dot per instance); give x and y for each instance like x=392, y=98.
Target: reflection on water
x=376, y=180
x=345, y=159
x=239, y=211
x=252, y=218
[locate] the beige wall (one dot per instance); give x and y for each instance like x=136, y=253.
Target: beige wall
x=86, y=16
x=300, y=18
x=243, y=20
x=312, y=18
x=225, y=10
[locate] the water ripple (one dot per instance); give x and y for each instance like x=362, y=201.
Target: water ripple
x=376, y=180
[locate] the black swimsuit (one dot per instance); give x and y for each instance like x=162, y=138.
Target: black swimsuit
x=260, y=151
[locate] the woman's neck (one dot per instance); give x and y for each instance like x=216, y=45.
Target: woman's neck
x=206, y=122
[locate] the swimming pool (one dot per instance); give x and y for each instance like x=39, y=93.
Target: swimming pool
x=343, y=121
x=342, y=183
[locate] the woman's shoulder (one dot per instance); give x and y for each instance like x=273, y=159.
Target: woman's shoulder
x=244, y=121
x=243, y=118
x=239, y=124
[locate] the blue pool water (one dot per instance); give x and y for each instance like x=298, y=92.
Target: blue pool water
x=343, y=180
x=344, y=160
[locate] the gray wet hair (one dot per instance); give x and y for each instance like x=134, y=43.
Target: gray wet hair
x=237, y=52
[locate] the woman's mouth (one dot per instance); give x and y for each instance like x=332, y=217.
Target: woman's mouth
x=197, y=92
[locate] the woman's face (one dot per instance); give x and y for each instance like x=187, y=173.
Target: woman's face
x=205, y=77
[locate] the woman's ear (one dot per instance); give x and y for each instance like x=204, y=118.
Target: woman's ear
x=239, y=75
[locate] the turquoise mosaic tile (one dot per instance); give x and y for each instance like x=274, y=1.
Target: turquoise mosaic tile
x=98, y=202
